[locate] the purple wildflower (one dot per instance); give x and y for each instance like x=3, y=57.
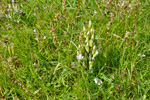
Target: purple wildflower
x=13, y=1
x=74, y=63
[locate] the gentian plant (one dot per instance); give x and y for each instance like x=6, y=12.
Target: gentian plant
x=87, y=50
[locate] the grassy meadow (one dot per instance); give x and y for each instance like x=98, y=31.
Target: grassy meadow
x=39, y=40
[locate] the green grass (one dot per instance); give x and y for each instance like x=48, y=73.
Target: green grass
x=42, y=69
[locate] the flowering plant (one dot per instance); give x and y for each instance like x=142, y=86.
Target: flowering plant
x=87, y=52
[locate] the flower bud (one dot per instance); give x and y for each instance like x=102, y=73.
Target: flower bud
x=92, y=37
x=88, y=33
x=90, y=23
x=96, y=52
x=94, y=49
x=84, y=29
x=87, y=47
x=79, y=46
x=91, y=64
x=92, y=30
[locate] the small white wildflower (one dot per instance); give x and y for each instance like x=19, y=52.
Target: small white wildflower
x=96, y=52
x=129, y=5
x=34, y=14
x=80, y=57
x=36, y=39
x=98, y=81
x=143, y=55
x=95, y=12
x=18, y=20
x=44, y=37
x=34, y=64
x=122, y=4
x=34, y=30
x=139, y=54
x=21, y=5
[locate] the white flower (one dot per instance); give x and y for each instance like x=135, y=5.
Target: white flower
x=21, y=5
x=95, y=11
x=96, y=52
x=44, y=37
x=98, y=81
x=143, y=55
x=18, y=20
x=34, y=30
x=130, y=5
x=79, y=56
x=36, y=39
x=139, y=54
x=34, y=14
x=34, y=64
